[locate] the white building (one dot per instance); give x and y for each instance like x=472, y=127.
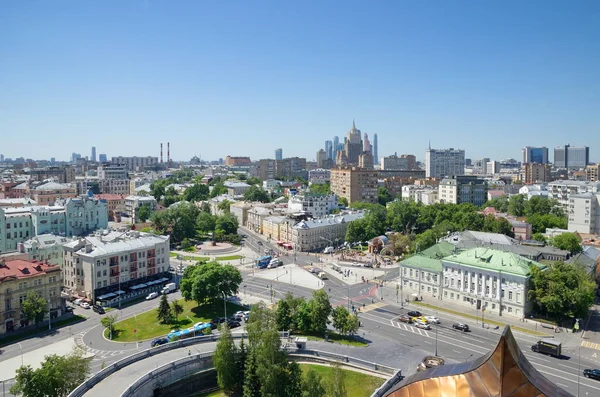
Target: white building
x=111, y=261
x=71, y=217
x=477, y=278
x=112, y=171
x=420, y=194
x=46, y=248
x=584, y=213
x=314, y=205
x=271, y=184
x=534, y=190
x=236, y=188
x=133, y=204
x=316, y=234
x=563, y=189
x=463, y=189
x=135, y=163
x=444, y=163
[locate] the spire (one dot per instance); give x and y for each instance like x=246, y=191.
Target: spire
x=353, y=126
x=430, y=144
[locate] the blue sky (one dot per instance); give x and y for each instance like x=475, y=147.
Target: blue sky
x=246, y=77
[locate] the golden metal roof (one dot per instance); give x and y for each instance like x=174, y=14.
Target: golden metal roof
x=504, y=372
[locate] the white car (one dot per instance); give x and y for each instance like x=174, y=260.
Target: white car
x=432, y=319
x=84, y=305
x=78, y=301
x=152, y=295
x=199, y=324
x=422, y=325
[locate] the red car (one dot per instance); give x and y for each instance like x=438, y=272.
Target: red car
x=405, y=319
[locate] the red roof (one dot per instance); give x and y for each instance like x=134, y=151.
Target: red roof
x=20, y=268
x=109, y=197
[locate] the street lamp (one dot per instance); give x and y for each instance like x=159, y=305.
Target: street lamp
x=21, y=346
x=467, y=359
x=436, y=327
x=224, y=304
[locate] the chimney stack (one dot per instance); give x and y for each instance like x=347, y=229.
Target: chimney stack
x=161, y=158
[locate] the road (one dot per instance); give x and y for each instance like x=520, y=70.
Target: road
x=391, y=342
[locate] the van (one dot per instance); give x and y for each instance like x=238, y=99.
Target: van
x=322, y=276
x=328, y=250
x=168, y=288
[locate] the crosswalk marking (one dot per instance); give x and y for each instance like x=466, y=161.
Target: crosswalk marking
x=590, y=345
x=373, y=307
x=409, y=328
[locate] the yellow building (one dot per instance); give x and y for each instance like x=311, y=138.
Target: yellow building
x=18, y=278
x=355, y=184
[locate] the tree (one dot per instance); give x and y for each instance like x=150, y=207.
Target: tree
x=563, y=290
x=108, y=322
x=516, y=205
x=356, y=231
x=226, y=224
x=284, y=315
x=157, y=188
x=164, y=314
x=251, y=386
x=344, y=202
x=205, y=207
x=176, y=309
x=567, y=241
x=320, y=309
x=253, y=181
x=499, y=203
x=344, y=321
x=402, y=216
x=224, y=205
x=218, y=189
x=383, y=196
x=425, y=240
x=225, y=363
x=34, y=308
x=179, y=221
x=337, y=385
x=255, y=193
x=320, y=188
x=312, y=384
x=539, y=205
x=196, y=192
x=208, y=282
x=539, y=237
x=292, y=385
x=57, y=376
x=143, y=213
x=400, y=243
x=206, y=222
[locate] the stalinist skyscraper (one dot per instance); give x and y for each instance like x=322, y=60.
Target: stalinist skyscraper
x=354, y=145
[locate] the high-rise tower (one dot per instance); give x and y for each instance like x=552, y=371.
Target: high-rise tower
x=94, y=154
x=279, y=154
x=353, y=145
x=375, y=150
x=336, y=146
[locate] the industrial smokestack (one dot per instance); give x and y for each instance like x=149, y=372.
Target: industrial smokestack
x=169, y=152
x=161, y=158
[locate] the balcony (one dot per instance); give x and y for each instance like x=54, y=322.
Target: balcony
x=133, y=268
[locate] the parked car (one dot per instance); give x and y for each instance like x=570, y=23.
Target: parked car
x=158, y=342
x=78, y=301
x=214, y=323
x=592, y=373
x=405, y=318
x=98, y=309
x=259, y=243
x=422, y=325
x=84, y=305
x=414, y=313
x=152, y=295
x=368, y=264
x=68, y=309
x=432, y=319
x=238, y=315
x=461, y=327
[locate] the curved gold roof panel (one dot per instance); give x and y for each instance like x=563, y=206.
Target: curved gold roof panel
x=504, y=372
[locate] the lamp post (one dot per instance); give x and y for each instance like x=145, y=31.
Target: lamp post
x=578, y=369
x=224, y=304
x=436, y=327
x=467, y=359
x=49, y=319
x=21, y=346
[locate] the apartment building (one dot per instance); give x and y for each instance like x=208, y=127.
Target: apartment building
x=236, y=188
x=477, y=278
x=135, y=163
x=592, y=173
x=535, y=173
x=571, y=157
x=115, y=204
x=562, y=190
x=71, y=217
x=236, y=161
x=444, y=163
x=420, y=194
x=20, y=277
x=62, y=174
x=113, y=171
x=584, y=213
x=108, y=262
x=395, y=162
x=319, y=176
x=463, y=189
x=312, y=204
x=47, y=248
x=49, y=193
x=355, y=184
x=316, y=234
x=133, y=204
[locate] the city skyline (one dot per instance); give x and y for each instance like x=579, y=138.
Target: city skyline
x=239, y=82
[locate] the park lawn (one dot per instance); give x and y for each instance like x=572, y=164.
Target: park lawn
x=334, y=337
x=357, y=383
x=145, y=326
x=229, y=258
x=216, y=393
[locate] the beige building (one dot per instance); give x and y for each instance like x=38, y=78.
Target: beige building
x=46, y=247
x=592, y=172
x=18, y=278
x=115, y=203
x=534, y=172
x=316, y=234
x=354, y=184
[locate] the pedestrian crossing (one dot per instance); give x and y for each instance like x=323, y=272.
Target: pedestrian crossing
x=590, y=345
x=98, y=354
x=374, y=306
x=407, y=327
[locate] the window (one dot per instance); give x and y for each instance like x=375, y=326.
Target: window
x=518, y=297
x=458, y=284
x=99, y=284
x=493, y=305
x=98, y=273
x=510, y=295
x=503, y=293
x=452, y=283
x=445, y=294
x=510, y=309
x=452, y=295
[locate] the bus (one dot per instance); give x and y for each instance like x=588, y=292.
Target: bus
x=195, y=330
x=263, y=261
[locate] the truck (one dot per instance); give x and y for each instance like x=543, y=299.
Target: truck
x=548, y=346
x=328, y=250
x=168, y=288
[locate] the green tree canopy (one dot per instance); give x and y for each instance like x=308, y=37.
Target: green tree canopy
x=227, y=224
x=344, y=321
x=205, y=222
x=562, y=291
x=34, y=307
x=312, y=384
x=255, y=193
x=157, y=188
x=517, y=205
x=196, y=192
x=56, y=377
x=108, y=322
x=320, y=188
x=567, y=241
x=163, y=313
x=383, y=196
x=225, y=361
x=218, y=189
x=144, y=213
x=320, y=309
x=499, y=203
x=208, y=282
x=179, y=221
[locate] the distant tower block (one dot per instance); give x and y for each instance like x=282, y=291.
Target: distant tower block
x=161, y=156
x=169, y=153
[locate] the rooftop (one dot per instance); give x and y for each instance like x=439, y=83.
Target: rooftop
x=20, y=268
x=114, y=242
x=495, y=260
x=53, y=186
x=329, y=220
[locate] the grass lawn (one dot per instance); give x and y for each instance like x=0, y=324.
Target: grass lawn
x=357, y=383
x=146, y=326
x=334, y=337
x=229, y=258
x=491, y=322
x=217, y=393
